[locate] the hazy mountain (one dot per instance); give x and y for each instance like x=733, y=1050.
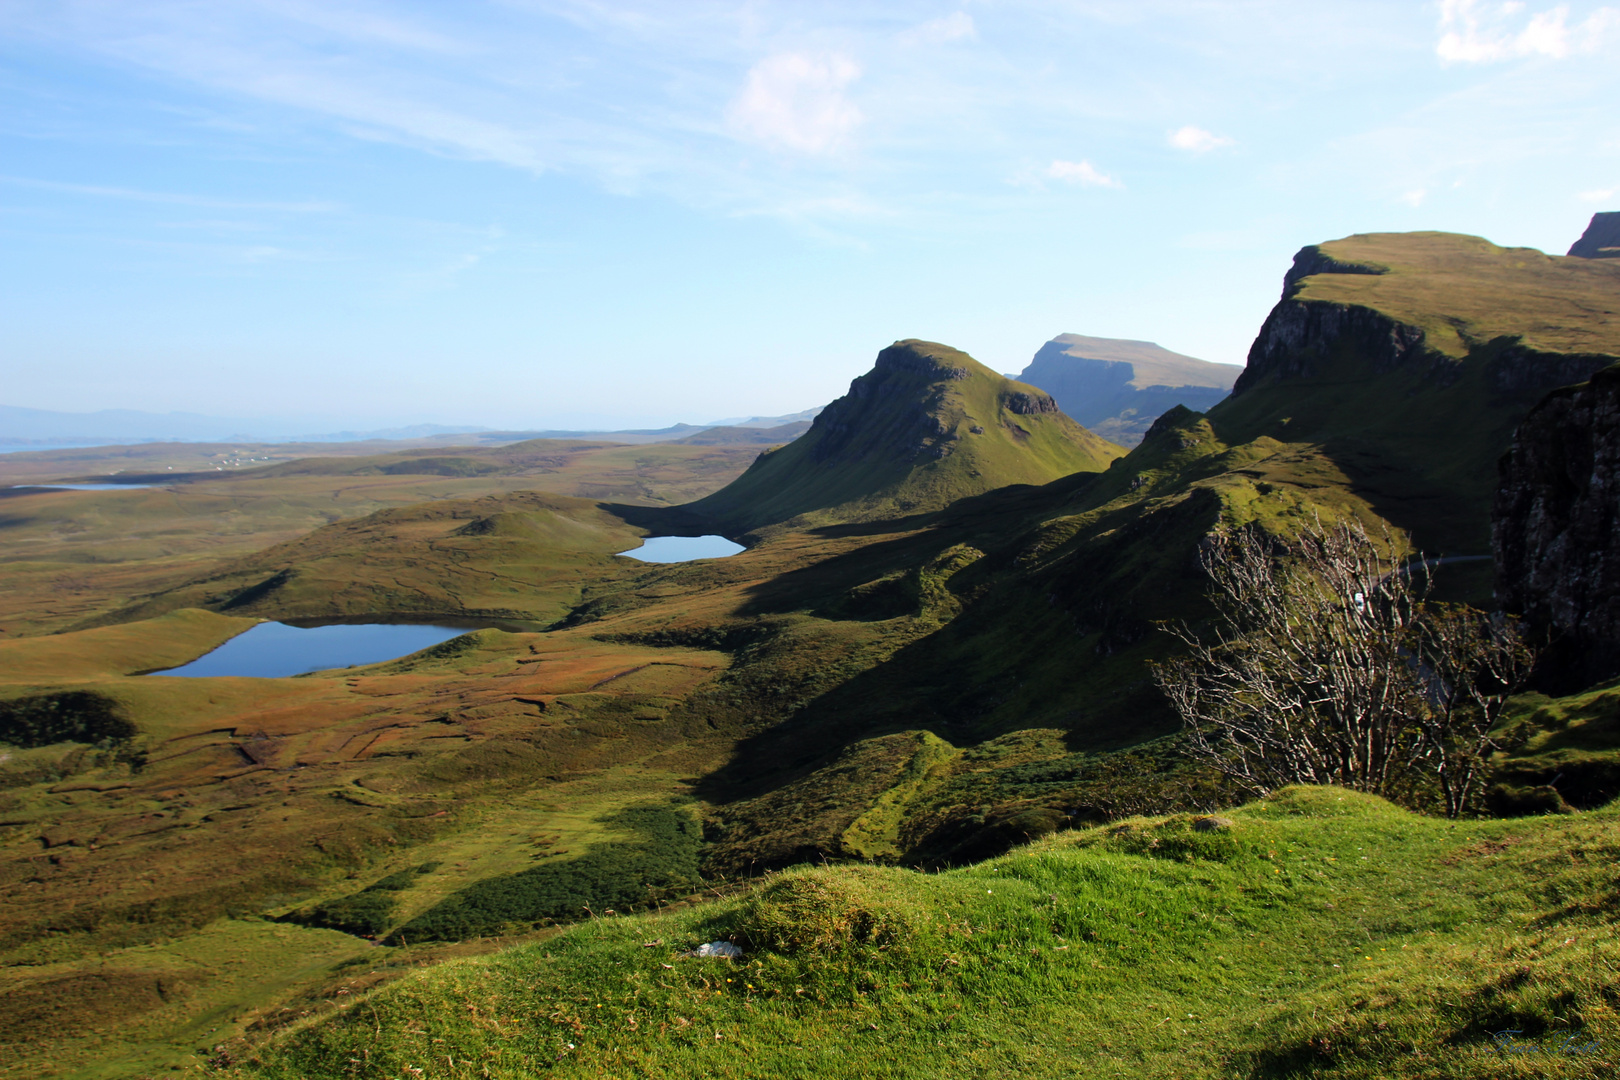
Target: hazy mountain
x=1601, y=239
x=1117, y=387
x=768, y=421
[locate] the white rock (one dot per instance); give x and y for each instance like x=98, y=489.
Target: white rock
x=724, y=949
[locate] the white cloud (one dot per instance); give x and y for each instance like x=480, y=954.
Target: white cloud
x=1603, y=195
x=957, y=26
x=1081, y=172
x=1197, y=140
x=796, y=101
x=1413, y=198
x=1476, y=33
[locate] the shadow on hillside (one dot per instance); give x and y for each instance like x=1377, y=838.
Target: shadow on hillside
x=961, y=681
x=994, y=522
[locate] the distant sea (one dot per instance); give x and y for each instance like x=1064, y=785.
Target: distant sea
x=18, y=448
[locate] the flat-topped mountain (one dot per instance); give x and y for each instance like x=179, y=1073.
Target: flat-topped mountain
x=1601, y=240
x=1117, y=387
x=928, y=425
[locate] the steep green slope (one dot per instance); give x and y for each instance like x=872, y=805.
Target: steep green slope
x=928, y=425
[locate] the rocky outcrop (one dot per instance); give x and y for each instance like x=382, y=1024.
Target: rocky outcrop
x=1601, y=239
x=1299, y=335
x=1025, y=404
x=1313, y=260
x=1556, y=529
x=892, y=406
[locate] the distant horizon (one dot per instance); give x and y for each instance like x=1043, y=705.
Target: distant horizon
x=277, y=430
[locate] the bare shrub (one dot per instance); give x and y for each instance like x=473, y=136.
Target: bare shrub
x=1327, y=664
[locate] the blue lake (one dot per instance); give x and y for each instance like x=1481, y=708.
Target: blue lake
x=667, y=549
x=275, y=650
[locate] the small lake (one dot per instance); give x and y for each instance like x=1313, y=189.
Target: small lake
x=275, y=650
x=668, y=549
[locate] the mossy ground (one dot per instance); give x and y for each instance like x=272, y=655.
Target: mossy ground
x=1321, y=933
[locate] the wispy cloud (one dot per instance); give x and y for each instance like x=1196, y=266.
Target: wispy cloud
x=1475, y=33
x=1599, y=195
x=795, y=101
x=1413, y=198
x=1081, y=172
x=957, y=26
x=1197, y=140
x=174, y=198
x=757, y=108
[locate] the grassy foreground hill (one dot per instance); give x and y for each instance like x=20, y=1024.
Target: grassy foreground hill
x=1316, y=933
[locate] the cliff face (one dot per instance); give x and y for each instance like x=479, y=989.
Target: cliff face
x=1299, y=335
x=1117, y=387
x=1409, y=359
x=1556, y=529
x=893, y=411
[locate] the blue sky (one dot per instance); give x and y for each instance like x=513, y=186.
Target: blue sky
x=579, y=212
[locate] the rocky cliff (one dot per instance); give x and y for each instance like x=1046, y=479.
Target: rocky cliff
x=1408, y=359
x=1117, y=387
x=1556, y=529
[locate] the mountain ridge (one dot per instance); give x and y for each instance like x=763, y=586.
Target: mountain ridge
x=926, y=426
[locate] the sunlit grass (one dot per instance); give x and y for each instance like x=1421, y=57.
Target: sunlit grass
x=1323, y=932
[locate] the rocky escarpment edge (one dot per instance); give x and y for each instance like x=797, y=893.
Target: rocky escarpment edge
x=1556, y=529
x=1312, y=260
x=1299, y=335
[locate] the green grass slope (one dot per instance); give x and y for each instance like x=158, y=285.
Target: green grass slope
x=928, y=425
x=1316, y=933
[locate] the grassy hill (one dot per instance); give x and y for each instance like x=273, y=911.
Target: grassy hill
x=75, y=557
x=928, y=425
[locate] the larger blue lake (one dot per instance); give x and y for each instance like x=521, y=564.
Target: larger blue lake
x=665, y=549
x=275, y=650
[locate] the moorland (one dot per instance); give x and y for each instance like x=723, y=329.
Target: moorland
x=905, y=750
